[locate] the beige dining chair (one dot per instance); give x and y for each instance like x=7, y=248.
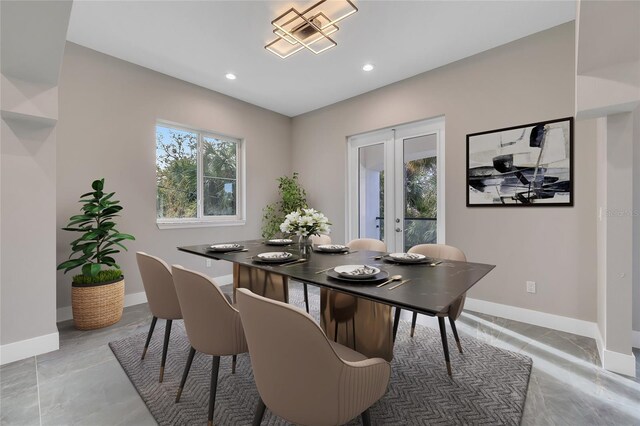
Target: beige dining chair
x=301, y=375
x=161, y=297
x=213, y=325
x=445, y=252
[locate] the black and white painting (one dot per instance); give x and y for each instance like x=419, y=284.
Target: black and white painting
x=529, y=165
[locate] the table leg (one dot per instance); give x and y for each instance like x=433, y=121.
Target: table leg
x=396, y=322
x=445, y=346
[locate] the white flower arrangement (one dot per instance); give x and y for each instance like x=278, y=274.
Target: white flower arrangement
x=305, y=222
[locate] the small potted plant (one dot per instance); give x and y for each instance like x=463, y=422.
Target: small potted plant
x=97, y=295
x=292, y=197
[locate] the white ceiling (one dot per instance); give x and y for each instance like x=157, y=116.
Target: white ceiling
x=201, y=41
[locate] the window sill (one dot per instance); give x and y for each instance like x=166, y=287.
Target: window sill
x=200, y=223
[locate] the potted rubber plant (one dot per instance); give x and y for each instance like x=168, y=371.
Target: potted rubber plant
x=97, y=294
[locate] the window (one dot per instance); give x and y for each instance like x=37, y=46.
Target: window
x=198, y=178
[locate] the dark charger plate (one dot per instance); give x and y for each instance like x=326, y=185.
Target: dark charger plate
x=380, y=276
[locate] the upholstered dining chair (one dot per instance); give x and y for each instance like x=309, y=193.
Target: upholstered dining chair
x=441, y=251
x=161, y=297
x=301, y=375
x=213, y=325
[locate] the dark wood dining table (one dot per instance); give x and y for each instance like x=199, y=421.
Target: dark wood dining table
x=430, y=291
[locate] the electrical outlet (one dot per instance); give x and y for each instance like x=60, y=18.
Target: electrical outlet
x=531, y=286
x=208, y=263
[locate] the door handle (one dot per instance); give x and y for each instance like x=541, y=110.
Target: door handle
x=398, y=230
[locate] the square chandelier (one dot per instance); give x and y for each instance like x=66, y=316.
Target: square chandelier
x=309, y=29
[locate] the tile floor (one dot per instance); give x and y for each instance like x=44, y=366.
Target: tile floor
x=83, y=384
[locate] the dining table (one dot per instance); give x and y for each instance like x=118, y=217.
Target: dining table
x=427, y=287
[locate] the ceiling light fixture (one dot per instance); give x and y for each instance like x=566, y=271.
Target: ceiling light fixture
x=309, y=29
x=230, y=76
x=367, y=67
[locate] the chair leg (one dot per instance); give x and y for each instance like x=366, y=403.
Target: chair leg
x=455, y=333
x=234, y=360
x=257, y=419
x=187, y=367
x=167, y=333
x=215, y=367
x=396, y=322
x=306, y=296
x=413, y=323
x=366, y=420
x=335, y=335
x=445, y=346
x=146, y=345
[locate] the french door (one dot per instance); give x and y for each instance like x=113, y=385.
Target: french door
x=396, y=185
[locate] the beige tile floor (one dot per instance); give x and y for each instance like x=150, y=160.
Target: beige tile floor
x=83, y=384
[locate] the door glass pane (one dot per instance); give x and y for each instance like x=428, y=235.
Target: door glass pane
x=176, y=173
x=219, y=176
x=420, y=190
x=371, y=191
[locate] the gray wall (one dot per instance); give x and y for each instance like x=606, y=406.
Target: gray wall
x=528, y=80
x=108, y=112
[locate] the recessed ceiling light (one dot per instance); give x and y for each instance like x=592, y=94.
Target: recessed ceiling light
x=230, y=76
x=367, y=67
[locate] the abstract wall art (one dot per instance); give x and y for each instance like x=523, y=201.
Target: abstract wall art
x=521, y=166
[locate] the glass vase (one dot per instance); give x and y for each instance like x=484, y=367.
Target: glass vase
x=304, y=246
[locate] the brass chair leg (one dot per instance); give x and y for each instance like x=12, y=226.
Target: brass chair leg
x=455, y=333
x=187, y=367
x=215, y=367
x=165, y=347
x=413, y=323
x=146, y=345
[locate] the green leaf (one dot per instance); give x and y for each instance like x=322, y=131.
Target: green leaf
x=98, y=185
x=90, y=269
x=90, y=236
x=70, y=264
x=124, y=236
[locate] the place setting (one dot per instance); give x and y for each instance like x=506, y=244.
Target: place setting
x=332, y=249
x=227, y=248
x=278, y=258
x=409, y=259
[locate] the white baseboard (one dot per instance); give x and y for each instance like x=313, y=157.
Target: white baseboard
x=635, y=338
x=543, y=319
x=615, y=361
x=27, y=348
x=65, y=313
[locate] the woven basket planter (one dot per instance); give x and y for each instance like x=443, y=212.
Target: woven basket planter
x=97, y=305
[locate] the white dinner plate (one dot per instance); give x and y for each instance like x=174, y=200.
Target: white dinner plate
x=407, y=257
x=224, y=247
x=356, y=272
x=275, y=257
x=332, y=248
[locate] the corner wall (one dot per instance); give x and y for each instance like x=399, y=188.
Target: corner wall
x=529, y=80
x=108, y=113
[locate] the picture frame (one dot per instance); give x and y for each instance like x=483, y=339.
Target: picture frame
x=529, y=165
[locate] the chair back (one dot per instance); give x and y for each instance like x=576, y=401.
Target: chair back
x=320, y=239
x=158, y=286
x=212, y=324
x=443, y=251
x=367, y=244
x=296, y=370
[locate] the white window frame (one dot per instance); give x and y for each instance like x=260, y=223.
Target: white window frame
x=201, y=220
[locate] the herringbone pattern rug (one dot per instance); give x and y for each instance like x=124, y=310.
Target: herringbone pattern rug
x=488, y=386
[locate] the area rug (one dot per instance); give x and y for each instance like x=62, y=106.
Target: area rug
x=488, y=386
